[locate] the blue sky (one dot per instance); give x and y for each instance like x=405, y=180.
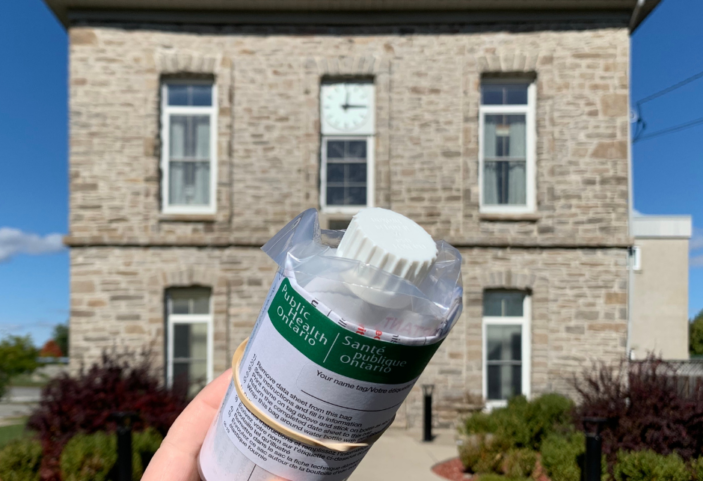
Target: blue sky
x=34, y=282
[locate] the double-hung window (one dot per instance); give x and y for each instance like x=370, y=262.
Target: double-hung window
x=347, y=146
x=189, y=147
x=345, y=165
x=507, y=146
x=189, y=338
x=506, y=346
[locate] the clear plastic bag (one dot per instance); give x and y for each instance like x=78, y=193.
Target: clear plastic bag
x=365, y=301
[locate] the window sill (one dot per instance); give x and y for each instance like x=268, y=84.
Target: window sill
x=508, y=217
x=187, y=218
x=349, y=211
x=494, y=404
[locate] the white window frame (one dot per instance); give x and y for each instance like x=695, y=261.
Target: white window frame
x=171, y=320
x=531, y=135
x=636, y=258
x=370, y=178
x=166, y=112
x=525, y=323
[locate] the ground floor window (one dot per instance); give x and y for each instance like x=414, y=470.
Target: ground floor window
x=506, y=345
x=189, y=338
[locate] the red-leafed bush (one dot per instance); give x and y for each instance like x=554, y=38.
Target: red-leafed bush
x=50, y=349
x=644, y=407
x=84, y=403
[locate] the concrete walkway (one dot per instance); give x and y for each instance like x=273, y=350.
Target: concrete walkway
x=19, y=402
x=22, y=395
x=400, y=456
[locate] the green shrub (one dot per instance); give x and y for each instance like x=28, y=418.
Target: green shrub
x=144, y=445
x=481, y=423
x=20, y=460
x=523, y=423
x=697, y=469
x=519, y=463
x=88, y=457
x=93, y=456
x=559, y=456
x=498, y=477
x=650, y=466
x=483, y=453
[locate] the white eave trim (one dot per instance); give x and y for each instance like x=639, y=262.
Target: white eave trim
x=667, y=226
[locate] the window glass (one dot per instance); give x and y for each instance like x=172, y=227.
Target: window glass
x=190, y=356
x=335, y=149
x=189, y=181
x=189, y=137
x=346, y=172
x=503, y=303
x=190, y=95
x=504, y=165
x=504, y=382
x=504, y=361
x=194, y=300
x=504, y=94
x=504, y=136
x=504, y=343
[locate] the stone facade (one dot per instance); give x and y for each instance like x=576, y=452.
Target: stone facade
x=578, y=306
x=570, y=253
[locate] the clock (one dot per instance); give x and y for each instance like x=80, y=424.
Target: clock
x=347, y=108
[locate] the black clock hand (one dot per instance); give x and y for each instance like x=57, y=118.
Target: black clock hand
x=348, y=106
x=346, y=101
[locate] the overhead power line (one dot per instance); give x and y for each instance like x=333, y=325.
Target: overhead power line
x=675, y=128
x=641, y=124
x=671, y=88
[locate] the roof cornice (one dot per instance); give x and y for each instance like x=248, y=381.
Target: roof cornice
x=350, y=12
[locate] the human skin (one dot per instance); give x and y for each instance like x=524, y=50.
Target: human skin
x=176, y=459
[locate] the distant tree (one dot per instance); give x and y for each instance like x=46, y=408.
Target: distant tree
x=17, y=356
x=695, y=335
x=60, y=336
x=51, y=349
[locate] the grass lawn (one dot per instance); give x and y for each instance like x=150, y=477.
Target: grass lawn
x=13, y=431
x=25, y=380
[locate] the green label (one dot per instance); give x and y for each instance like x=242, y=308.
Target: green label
x=341, y=351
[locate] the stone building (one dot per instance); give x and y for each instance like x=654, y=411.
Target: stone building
x=501, y=127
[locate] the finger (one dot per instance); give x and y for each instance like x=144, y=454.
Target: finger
x=176, y=458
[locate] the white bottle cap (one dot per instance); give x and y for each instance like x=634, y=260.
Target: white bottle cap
x=390, y=241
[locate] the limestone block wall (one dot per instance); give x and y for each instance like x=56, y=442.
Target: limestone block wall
x=579, y=301
x=118, y=297
x=427, y=80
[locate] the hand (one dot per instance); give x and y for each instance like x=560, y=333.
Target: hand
x=176, y=459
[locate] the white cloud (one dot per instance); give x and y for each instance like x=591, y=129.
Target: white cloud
x=14, y=242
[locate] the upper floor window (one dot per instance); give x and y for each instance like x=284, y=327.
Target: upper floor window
x=347, y=128
x=506, y=346
x=189, y=338
x=507, y=145
x=188, y=137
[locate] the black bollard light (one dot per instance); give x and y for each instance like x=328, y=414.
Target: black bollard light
x=427, y=390
x=594, y=448
x=124, y=444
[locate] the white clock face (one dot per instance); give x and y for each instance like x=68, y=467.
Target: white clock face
x=346, y=106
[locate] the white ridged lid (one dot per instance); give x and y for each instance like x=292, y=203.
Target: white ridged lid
x=389, y=241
